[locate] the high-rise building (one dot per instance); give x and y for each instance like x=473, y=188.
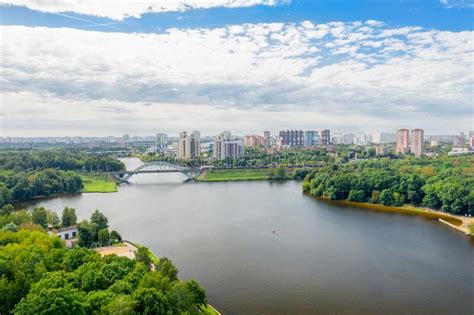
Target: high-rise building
x=161, y=142
x=266, y=137
x=193, y=145
x=311, y=138
x=417, y=142
x=225, y=147
x=292, y=138
x=325, y=137
x=182, y=144
x=253, y=140
x=382, y=137
x=402, y=141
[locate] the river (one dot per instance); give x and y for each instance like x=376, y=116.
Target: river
x=265, y=248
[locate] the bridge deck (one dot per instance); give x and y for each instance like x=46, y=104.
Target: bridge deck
x=186, y=170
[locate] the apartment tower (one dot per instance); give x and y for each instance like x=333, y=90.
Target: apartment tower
x=402, y=141
x=417, y=142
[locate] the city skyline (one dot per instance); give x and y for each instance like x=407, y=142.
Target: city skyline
x=85, y=68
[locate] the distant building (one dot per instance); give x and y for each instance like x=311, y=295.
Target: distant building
x=383, y=137
x=459, y=140
x=402, y=141
x=161, y=142
x=460, y=151
x=435, y=143
x=189, y=145
x=225, y=147
x=336, y=138
x=67, y=234
x=311, y=138
x=292, y=138
x=380, y=150
x=267, y=138
x=125, y=141
x=193, y=145
x=253, y=140
x=417, y=142
x=471, y=142
x=182, y=144
x=326, y=137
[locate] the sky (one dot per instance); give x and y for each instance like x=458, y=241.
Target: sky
x=113, y=67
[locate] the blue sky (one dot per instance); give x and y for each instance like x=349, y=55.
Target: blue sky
x=141, y=67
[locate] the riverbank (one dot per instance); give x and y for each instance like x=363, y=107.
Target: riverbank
x=233, y=175
x=462, y=224
x=98, y=183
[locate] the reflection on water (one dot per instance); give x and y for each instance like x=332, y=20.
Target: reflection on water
x=322, y=258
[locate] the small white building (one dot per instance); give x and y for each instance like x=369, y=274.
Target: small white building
x=460, y=151
x=67, y=234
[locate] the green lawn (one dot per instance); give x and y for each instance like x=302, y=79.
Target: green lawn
x=471, y=229
x=98, y=184
x=233, y=174
x=209, y=311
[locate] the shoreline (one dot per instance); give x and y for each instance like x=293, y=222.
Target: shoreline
x=458, y=223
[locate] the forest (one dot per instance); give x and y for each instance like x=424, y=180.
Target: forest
x=444, y=183
x=26, y=174
x=39, y=275
x=73, y=160
x=16, y=186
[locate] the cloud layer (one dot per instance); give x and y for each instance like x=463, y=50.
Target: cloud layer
x=346, y=75
x=457, y=4
x=120, y=9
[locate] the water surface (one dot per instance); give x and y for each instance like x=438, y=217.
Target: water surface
x=322, y=258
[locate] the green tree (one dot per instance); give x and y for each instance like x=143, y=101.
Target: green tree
x=115, y=237
x=99, y=220
x=166, y=268
x=40, y=216
x=375, y=196
x=5, y=195
x=69, y=217
x=356, y=195
x=386, y=197
x=52, y=301
x=121, y=305
x=12, y=227
x=86, y=233
x=53, y=220
x=155, y=280
x=197, y=292
x=6, y=209
x=142, y=255
x=151, y=301
x=104, y=237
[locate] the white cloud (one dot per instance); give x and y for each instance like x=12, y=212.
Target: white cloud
x=457, y=4
x=120, y=9
x=349, y=75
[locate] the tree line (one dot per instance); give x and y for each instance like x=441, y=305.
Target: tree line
x=26, y=174
x=39, y=275
x=24, y=160
x=445, y=183
x=17, y=186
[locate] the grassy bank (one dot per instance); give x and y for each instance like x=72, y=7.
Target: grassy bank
x=98, y=183
x=233, y=175
x=406, y=209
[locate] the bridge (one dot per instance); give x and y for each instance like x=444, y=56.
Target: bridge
x=159, y=167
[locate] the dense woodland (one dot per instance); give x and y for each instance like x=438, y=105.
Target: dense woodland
x=25, y=174
x=16, y=186
x=39, y=275
x=445, y=183
x=77, y=160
